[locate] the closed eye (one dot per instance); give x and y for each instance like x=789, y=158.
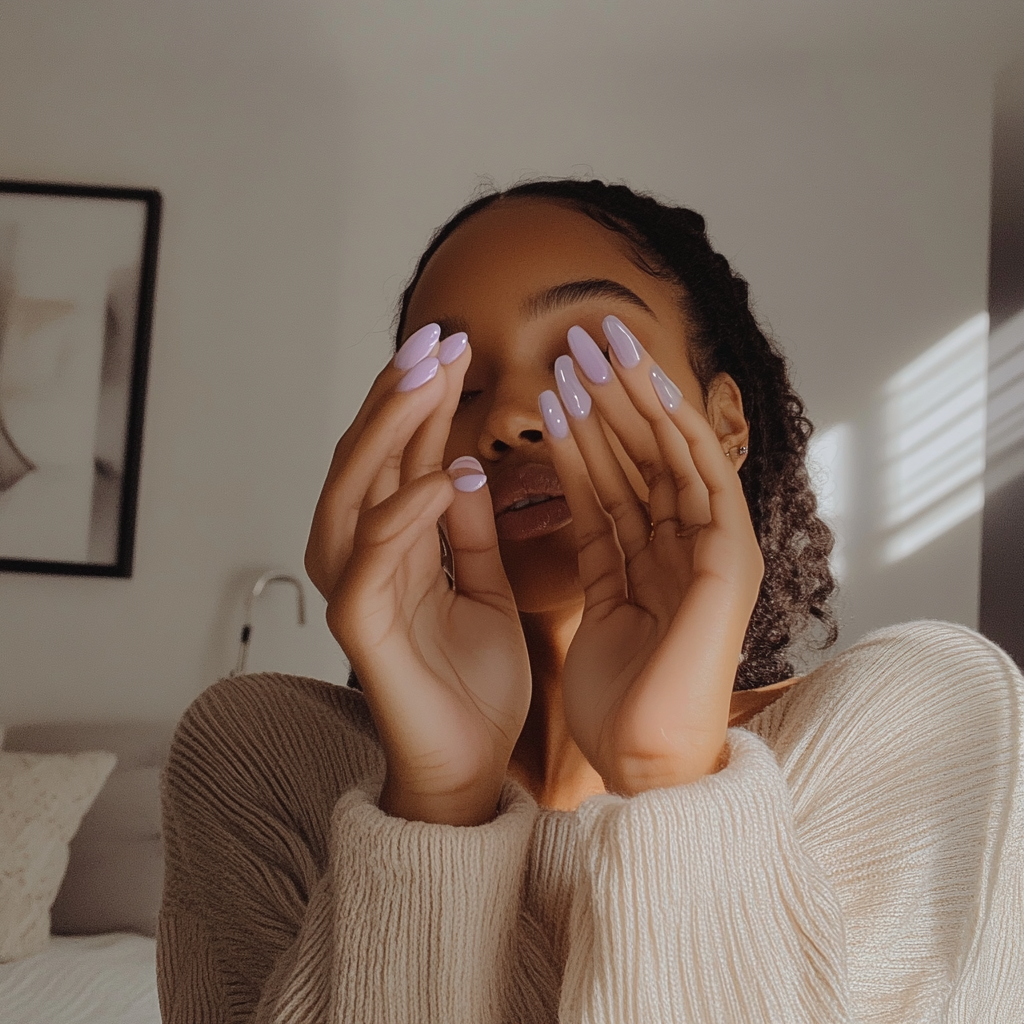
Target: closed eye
x=467, y=395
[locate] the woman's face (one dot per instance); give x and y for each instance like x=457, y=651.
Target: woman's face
x=502, y=278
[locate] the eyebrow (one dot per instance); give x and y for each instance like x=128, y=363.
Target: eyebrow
x=571, y=292
x=558, y=297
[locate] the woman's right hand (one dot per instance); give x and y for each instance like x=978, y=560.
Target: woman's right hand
x=445, y=672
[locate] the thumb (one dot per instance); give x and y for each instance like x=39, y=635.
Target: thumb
x=479, y=573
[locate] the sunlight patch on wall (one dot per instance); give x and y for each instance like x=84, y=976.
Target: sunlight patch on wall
x=1005, y=454
x=828, y=465
x=935, y=440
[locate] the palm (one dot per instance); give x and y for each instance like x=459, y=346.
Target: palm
x=462, y=698
x=615, y=641
x=445, y=672
x=648, y=676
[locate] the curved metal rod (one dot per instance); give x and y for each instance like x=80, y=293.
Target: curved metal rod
x=258, y=588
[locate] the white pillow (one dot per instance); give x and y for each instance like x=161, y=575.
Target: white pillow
x=43, y=798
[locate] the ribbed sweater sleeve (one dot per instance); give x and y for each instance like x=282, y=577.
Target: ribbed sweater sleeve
x=699, y=904
x=290, y=897
x=858, y=859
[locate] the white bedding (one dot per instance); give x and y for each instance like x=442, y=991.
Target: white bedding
x=87, y=979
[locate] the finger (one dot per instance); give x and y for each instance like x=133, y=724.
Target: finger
x=617, y=409
x=726, y=501
x=426, y=372
x=602, y=563
x=656, y=397
x=425, y=452
x=418, y=346
x=345, y=491
x=479, y=572
x=612, y=486
x=384, y=541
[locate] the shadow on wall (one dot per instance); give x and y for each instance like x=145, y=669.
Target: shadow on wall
x=1002, y=562
x=943, y=432
x=1005, y=456
x=1002, y=583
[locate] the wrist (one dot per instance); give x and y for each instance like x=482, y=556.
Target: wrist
x=475, y=804
x=633, y=775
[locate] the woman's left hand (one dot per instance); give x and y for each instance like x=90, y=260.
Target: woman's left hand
x=669, y=584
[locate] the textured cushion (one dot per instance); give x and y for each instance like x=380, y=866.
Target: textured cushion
x=115, y=874
x=43, y=798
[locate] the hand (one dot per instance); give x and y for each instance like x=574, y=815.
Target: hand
x=445, y=671
x=649, y=674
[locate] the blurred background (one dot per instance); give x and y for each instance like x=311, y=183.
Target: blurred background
x=841, y=152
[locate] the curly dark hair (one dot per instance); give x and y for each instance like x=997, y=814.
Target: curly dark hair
x=672, y=244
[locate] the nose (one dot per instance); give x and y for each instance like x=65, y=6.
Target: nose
x=514, y=421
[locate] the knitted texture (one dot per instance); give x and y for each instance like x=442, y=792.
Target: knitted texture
x=43, y=799
x=860, y=858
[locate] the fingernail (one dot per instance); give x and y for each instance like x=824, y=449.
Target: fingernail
x=417, y=347
x=669, y=394
x=589, y=356
x=419, y=375
x=452, y=347
x=554, y=419
x=471, y=481
x=574, y=396
x=627, y=349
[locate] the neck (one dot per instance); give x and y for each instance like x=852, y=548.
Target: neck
x=546, y=760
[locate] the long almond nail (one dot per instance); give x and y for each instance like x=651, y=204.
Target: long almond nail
x=419, y=375
x=574, y=396
x=589, y=356
x=452, y=347
x=627, y=349
x=471, y=474
x=417, y=347
x=669, y=395
x=555, y=422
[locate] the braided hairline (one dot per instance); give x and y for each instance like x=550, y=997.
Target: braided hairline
x=671, y=243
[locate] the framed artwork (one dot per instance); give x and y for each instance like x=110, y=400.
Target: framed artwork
x=77, y=279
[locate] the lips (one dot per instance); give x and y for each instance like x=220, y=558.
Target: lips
x=528, y=502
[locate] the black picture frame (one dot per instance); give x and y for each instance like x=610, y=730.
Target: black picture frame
x=30, y=213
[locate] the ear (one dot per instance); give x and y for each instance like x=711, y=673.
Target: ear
x=725, y=414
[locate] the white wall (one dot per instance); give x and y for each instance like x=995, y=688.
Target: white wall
x=306, y=150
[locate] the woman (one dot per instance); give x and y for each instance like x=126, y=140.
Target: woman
x=537, y=809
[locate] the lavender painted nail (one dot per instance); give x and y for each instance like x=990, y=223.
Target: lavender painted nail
x=419, y=375
x=471, y=481
x=589, y=356
x=452, y=347
x=554, y=419
x=627, y=349
x=669, y=395
x=417, y=347
x=574, y=396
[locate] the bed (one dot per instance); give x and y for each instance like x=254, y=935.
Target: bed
x=99, y=967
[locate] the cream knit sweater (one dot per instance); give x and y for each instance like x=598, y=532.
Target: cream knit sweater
x=860, y=858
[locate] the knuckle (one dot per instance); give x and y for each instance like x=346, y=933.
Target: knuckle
x=621, y=508
x=652, y=471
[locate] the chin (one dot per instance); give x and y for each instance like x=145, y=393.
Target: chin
x=544, y=572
